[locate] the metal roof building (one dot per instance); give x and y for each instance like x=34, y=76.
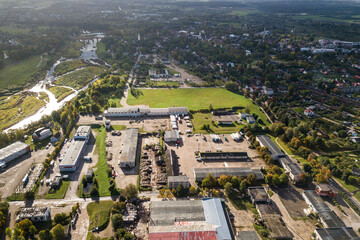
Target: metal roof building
x=330, y=220
x=190, y=219
x=201, y=173
x=171, y=136
x=144, y=111
x=82, y=133
x=224, y=156
x=72, y=156
x=129, y=152
x=315, y=201
x=35, y=214
x=247, y=235
x=344, y=233
x=13, y=151
x=265, y=141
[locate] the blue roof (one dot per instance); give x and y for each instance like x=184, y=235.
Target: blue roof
x=215, y=214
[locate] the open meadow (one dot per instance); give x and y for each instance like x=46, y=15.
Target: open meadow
x=194, y=99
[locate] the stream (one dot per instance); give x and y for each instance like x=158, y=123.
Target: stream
x=88, y=54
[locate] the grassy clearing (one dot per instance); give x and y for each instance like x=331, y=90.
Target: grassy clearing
x=60, y=92
x=102, y=166
x=80, y=78
x=44, y=96
x=59, y=193
x=69, y=66
x=11, y=29
x=350, y=188
x=194, y=99
x=244, y=12
x=73, y=49
x=199, y=119
x=163, y=84
x=323, y=18
x=115, y=102
x=118, y=127
x=17, y=108
x=99, y=214
x=241, y=203
x=19, y=73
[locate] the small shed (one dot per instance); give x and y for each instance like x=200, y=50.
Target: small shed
x=89, y=174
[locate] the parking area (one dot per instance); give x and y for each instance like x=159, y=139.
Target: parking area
x=16, y=170
x=190, y=143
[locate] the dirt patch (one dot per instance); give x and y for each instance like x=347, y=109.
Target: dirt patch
x=293, y=201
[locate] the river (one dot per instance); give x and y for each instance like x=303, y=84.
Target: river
x=88, y=54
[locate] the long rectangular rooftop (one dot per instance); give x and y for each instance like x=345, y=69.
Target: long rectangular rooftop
x=12, y=148
x=129, y=149
x=72, y=153
x=266, y=141
x=201, y=173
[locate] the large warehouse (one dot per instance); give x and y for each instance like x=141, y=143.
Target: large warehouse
x=144, y=111
x=76, y=149
x=11, y=152
x=190, y=219
x=274, y=151
x=223, y=156
x=129, y=152
x=201, y=173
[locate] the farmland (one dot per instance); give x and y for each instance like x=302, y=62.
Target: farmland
x=80, y=78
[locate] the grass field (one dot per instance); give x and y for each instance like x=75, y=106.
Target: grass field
x=323, y=18
x=99, y=214
x=199, y=119
x=18, y=73
x=14, y=29
x=59, y=193
x=17, y=108
x=194, y=99
x=244, y=12
x=73, y=49
x=80, y=78
x=69, y=66
x=44, y=96
x=102, y=165
x=115, y=101
x=163, y=84
x=60, y=92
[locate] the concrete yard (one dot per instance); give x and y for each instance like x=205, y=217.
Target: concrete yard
x=189, y=144
x=16, y=170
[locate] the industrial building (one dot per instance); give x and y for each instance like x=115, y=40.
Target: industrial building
x=42, y=133
x=201, y=173
x=330, y=220
x=274, y=151
x=315, y=202
x=223, y=156
x=324, y=189
x=291, y=168
x=247, y=235
x=83, y=133
x=171, y=136
x=11, y=152
x=134, y=112
x=35, y=214
x=174, y=181
x=258, y=195
x=190, y=219
x=76, y=149
x=129, y=152
x=341, y=233
x=172, y=167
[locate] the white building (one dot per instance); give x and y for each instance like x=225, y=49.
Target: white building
x=35, y=214
x=134, y=112
x=171, y=136
x=13, y=151
x=174, y=181
x=42, y=133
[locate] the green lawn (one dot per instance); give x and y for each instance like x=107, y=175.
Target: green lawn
x=60, y=92
x=118, y=127
x=199, y=119
x=59, y=193
x=348, y=187
x=102, y=165
x=18, y=73
x=99, y=214
x=69, y=66
x=163, y=84
x=80, y=78
x=115, y=101
x=194, y=99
